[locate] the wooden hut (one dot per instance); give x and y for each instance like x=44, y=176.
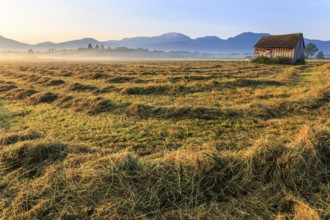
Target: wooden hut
x=289, y=45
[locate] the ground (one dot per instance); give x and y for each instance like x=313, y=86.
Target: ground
x=166, y=139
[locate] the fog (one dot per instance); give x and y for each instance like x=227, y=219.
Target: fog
x=116, y=54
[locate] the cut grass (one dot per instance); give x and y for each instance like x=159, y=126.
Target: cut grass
x=15, y=137
x=4, y=117
x=19, y=94
x=180, y=182
x=42, y=97
x=165, y=140
x=81, y=88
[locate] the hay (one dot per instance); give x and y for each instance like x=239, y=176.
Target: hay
x=27, y=155
x=240, y=142
x=5, y=87
x=81, y=88
x=42, y=97
x=256, y=83
x=94, y=76
x=100, y=105
x=34, y=156
x=66, y=74
x=174, y=79
x=101, y=182
x=107, y=89
x=147, y=90
x=55, y=82
x=19, y=94
x=15, y=137
x=121, y=79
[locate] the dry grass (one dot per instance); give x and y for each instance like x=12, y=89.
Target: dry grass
x=164, y=140
x=16, y=137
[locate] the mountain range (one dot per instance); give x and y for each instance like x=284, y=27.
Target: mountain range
x=242, y=43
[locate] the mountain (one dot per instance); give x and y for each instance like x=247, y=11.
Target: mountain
x=9, y=44
x=181, y=42
x=150, y=42
x=47, y=44
x=68, y=45
x=242, y=43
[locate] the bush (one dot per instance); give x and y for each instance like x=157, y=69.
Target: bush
x=276, y=60
x=281, y=60
x=262, y=60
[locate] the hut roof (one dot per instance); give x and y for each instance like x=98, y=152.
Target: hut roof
x=279, y=41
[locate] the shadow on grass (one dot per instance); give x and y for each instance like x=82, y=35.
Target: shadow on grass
x=207, y=87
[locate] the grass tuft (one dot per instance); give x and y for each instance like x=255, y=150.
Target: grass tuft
x=42, y=97
x=81, y=88
x=15, y=137
x=20, y=94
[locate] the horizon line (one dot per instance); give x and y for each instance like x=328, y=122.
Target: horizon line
x=137, y=36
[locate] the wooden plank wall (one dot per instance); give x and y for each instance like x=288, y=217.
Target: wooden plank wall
x=275, y=52
x=282, y=52
x=261, y=52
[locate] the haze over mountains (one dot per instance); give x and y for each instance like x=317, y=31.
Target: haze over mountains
x=242, y=43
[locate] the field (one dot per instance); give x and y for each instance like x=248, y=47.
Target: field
x=164, y=140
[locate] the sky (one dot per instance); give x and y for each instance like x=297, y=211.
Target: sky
x=35, y=21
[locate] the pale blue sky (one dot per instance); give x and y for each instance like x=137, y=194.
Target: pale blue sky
x=35, y=21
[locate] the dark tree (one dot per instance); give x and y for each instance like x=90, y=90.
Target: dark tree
x=97, y=47
x=90, y=46
x=30, y=51
x=320, y=55
x=102, y=47
x=310, y=50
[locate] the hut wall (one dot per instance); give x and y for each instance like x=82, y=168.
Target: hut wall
x=262, y=52
x=275, y=52
x=299, y=51
x=282, y=52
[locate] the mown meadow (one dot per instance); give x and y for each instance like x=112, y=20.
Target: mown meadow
x=164, y=140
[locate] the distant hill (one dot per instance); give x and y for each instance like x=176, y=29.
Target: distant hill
x=179, y=42
x=9, y=44
x=242, y=43
x=150, y=42
x=74, y=44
